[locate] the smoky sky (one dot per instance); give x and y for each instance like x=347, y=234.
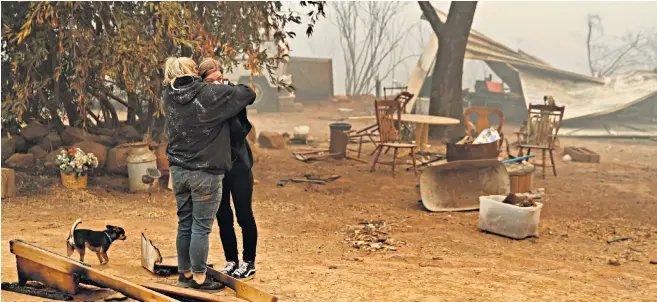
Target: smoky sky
x=553, y=31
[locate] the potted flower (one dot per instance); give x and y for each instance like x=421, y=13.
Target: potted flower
x=74, y=165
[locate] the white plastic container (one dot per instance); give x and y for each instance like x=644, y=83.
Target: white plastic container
x=301, y=132
x=508, y=220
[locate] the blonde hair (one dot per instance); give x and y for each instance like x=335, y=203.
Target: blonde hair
x=178, y=67
x=209, y=65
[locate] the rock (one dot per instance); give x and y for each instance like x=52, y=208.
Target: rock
x=38, y=152
x=341, y=99
x=104, y=131
x=164, y=137
x=127, y=134
x=21, y=144
x=271, y=140
x=8, y=183
x=99, y=150
x=161, y=156
x=333, y=267
x=251, y=137
x=73, y=135
x=130, y=133
x=106, y=140
x=614, y=262
x=51, y=158
x=50, y=142
x=20, y=161
x=34, y=131
x=255, y=151
x=117, y=160
x=8, y=147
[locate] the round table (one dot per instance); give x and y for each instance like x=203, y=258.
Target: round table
x=422, y=123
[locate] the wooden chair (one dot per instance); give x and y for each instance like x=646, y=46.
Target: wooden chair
x=372, y=131
x=388, y=119
x=483, y=120
x=543, y=124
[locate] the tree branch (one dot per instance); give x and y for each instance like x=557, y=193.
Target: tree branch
x=614, y=66
x=588, y=45
x=430, y=14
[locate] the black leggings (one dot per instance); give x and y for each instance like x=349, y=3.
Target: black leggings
x=238, y=183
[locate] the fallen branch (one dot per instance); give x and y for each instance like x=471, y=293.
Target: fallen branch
x=619, y=239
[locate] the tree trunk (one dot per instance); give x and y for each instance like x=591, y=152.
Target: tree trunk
x=132, y=108
x=446, y=86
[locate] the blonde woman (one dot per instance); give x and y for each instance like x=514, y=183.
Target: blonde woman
x=238, y=184
x=199, y=154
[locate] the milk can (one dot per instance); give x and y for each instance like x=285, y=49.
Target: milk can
x=139, y=160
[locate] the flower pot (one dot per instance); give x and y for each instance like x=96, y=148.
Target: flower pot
x=72, y=182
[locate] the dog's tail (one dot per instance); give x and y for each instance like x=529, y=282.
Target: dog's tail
x=70, y=240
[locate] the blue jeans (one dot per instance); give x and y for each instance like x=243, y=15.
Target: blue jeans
x=197, y=197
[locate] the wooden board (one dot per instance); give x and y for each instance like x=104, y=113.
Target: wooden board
x=190, y=293
x=8, y=183
x=40, y=259
x=151, y=257
x=30, y=270
x=152, y=260
x=581, y=154
x=242, y=289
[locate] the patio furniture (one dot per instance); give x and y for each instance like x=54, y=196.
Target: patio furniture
x=483, y=121
x=386, y=89
x=422, y=123
x=543, y=126
x=371, y=131
x=388, y=118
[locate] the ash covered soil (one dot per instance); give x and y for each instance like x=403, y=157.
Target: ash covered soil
x=307, y=232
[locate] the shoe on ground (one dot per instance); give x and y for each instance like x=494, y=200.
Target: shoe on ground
x=184, y=281
x=209, y=285
x=246, y=271
x=229, y=268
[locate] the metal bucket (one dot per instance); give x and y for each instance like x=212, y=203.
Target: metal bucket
x=472, y=151
x=139, y=160
x=339, y=140
x=341, y=127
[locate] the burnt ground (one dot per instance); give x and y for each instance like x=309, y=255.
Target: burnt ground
x=303, y=255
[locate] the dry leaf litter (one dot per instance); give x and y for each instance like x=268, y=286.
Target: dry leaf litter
x=372, y=236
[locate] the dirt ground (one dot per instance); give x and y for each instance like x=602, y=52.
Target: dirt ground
x=303, y=255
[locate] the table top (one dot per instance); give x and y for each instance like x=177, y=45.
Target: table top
x=416, y=119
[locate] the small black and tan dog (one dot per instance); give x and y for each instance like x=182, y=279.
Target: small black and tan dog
x=97, y=241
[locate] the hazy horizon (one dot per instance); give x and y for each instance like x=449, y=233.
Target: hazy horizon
x=553, y=31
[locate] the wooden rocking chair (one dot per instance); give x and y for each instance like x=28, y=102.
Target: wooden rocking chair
x=388, y=118
x=543, y=123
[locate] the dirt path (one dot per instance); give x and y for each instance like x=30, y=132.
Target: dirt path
x=302, y=254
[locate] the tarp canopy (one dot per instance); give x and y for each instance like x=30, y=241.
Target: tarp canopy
x=622, y=106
